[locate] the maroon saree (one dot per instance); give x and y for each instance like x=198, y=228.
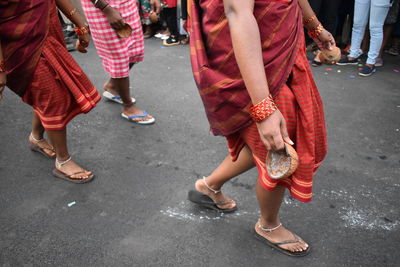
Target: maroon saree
x=214, y=65
x=289, y=77
x=23, y=30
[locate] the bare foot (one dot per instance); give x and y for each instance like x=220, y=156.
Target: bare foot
x=216, y=197
x=131, y=110
x=109, y=88
x=40, y=143
x=73, y=170
x=281, y=234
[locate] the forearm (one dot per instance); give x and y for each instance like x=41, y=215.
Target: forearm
x=69, y=10
x=246, y=42
x=307, y=14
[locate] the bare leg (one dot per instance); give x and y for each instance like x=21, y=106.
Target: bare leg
x=121, y=85
x=227, y=170
x=59, y=141
x=387, y=34
x=270, y=203
x=37, y=127
x=36, y=137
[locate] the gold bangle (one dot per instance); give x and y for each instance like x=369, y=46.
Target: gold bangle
x=310, y=19
x=72, y=12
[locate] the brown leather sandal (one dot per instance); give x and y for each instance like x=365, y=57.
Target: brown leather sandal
x=277, y=246
x=34, y=145
x=59, y=174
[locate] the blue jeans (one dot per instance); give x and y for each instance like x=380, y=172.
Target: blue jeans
x=376, y=11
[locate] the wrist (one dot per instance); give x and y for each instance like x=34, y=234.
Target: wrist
x=81, y=30
x=107, y=10
x=261, y=111
x=316, y=32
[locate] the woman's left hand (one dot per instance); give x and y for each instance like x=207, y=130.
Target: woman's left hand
x=325, y=40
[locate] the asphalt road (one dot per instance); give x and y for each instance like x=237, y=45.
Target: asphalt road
x=136, y=213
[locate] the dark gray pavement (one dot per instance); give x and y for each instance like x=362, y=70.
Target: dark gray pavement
x=135, y=212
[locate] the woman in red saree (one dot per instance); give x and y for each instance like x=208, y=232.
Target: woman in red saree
x=36, y=65
x=244, y=54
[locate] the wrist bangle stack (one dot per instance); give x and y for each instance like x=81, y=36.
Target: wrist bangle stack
x=2, y=66
x=263, y=110
x=314, y=33
x=82, y=30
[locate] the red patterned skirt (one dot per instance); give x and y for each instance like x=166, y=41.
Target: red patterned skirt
x=60, y=90
x=301, y=105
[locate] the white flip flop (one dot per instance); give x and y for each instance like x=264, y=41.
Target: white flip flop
x=115, y=98
x=144, y=115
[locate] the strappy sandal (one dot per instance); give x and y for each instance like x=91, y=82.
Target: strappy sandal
x=41, y=149
x=205, y=201
x=277, y=245
x=59, y=174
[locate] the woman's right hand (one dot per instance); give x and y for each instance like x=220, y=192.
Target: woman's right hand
x=273, y=132
x=3, y=81
x=114, y=17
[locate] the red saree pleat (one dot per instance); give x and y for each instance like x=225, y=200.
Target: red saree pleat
x=59, y=89
x=290, y=81
x=301, y=105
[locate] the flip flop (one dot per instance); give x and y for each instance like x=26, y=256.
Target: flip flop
x=68, y=178
x=206, y=202
x=315, y=63
x=277, y=245
x=115, y=98
x=144, y=115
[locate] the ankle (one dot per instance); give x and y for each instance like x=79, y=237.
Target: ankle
x=211, y=184
x=63, y=157
x=36, y=136
x=269, y=222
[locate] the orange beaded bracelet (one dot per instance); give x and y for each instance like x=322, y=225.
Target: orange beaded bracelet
x=263, y=110
x=316, y=31
x=82, y=30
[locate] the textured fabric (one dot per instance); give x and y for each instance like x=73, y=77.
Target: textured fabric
x=144, y=11
x=23, y=29
x=215, y=70
x=301, y=105
x=59, y=90
x=116, y=53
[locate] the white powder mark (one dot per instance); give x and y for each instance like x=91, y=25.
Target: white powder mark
x=367, y=220
x=182, y=212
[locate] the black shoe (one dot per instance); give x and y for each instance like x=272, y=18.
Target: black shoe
x=171, y=41
x=367, y=71
x=346, y=61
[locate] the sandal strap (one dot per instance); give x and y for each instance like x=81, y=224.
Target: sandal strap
x=36, y=140
x=61, y=163
x=287, y=242
x=211, y=189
